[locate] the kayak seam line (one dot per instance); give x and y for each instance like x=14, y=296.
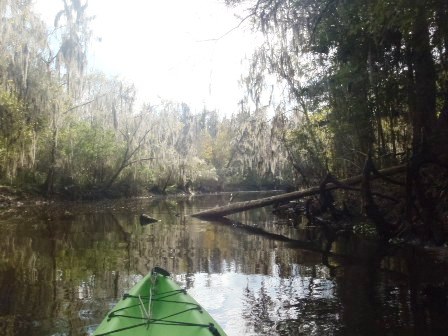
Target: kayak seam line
x=162, y=318
x=210, y=326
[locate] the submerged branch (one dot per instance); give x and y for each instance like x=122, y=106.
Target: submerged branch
x=304, y=245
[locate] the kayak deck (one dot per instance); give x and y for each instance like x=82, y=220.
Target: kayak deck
x=156, y=305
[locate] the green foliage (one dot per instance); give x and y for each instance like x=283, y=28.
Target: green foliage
x=87, y=153
x=15, y=135
x=312, y=145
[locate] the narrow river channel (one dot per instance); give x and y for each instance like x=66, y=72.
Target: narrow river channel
x=63, y=267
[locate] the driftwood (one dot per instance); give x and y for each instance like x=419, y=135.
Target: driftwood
x=146, y=219
x=262, y=202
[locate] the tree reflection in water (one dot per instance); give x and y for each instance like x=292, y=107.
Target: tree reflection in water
x=61, y=270
x=301, y=304
x=258, y=310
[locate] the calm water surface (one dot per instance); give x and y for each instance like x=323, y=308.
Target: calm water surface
x=61, y=270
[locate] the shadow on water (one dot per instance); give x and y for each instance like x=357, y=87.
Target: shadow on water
x=62, y=269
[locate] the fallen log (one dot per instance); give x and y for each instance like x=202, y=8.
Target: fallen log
x=262, y=202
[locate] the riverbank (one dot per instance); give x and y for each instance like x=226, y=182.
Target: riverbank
x=12, y=197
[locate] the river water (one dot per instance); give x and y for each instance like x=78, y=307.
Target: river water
x=63, y=267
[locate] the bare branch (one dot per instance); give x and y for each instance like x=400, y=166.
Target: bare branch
x=228, y=32
x=85, y=103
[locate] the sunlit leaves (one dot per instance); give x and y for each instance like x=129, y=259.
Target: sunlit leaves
x=15, y=135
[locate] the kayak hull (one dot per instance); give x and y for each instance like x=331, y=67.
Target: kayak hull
x=155, y=306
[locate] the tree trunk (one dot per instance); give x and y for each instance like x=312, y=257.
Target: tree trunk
x=425, y=78
x=422, y=107
x=49, y=182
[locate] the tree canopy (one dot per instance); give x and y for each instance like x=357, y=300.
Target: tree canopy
x=70, y=131
x=363, y=79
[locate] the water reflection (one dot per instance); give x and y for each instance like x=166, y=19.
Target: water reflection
x=61, y=270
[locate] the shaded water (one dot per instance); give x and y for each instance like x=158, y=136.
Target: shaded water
x=62, y=270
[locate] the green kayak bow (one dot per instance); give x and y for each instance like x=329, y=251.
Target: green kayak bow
x=157, y=306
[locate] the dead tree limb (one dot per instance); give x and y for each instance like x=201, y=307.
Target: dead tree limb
x=347, y=187
x=243, y=206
